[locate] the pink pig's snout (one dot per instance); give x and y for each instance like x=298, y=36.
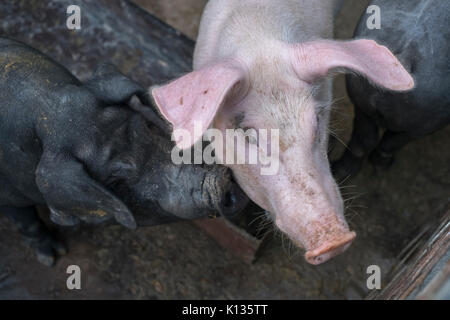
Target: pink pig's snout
x=330, y=249
x=324, y=236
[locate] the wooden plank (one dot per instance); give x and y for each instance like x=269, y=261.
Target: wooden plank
x=236, y=240
x=423, y=273
x=439, y=286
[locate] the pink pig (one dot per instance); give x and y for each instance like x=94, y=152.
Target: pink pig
x=263, y=64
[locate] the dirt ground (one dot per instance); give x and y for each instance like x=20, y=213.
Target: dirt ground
x=179, y=262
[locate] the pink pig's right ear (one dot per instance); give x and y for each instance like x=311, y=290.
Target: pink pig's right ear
x=197, y=97
x=314, y=60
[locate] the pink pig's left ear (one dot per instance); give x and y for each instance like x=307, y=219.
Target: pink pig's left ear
x=195, y=98
x=315, y=59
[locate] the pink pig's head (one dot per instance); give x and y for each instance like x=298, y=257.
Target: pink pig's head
x=284, y=87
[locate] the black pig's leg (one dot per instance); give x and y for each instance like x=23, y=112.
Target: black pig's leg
x=383, y=155
x=364, y=139
x=35, y=232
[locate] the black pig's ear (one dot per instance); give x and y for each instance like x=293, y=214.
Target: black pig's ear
x=112, y=87
x=72, y=195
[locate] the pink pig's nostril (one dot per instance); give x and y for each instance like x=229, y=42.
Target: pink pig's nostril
x=330, y=249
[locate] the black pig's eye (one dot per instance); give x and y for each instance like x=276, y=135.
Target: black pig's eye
x=114, y=181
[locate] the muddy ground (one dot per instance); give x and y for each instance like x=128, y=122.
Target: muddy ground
x=180, y=262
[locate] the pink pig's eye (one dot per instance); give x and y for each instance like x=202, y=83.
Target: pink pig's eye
x=251, y=135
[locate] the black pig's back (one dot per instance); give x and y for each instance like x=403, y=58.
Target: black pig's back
x=417, y=33
x=29, y=81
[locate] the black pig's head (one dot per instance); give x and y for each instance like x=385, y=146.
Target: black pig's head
x=133, y=161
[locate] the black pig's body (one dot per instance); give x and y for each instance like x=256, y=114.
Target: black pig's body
x=418, y=34
x=82, y=151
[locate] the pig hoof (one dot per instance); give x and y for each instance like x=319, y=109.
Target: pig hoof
x=381, y=159
x=59, y=248
x=330, y=249
x=347, y=166
x=46, y=259
x=47, y=252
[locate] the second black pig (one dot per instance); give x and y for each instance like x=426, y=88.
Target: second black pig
x=417, y=32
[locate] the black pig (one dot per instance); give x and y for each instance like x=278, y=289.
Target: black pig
x=82, y=151
x=418, y=34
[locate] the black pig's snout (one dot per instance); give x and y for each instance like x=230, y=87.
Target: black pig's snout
x=229, y=200
x=233, y=200
x=222, y=193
